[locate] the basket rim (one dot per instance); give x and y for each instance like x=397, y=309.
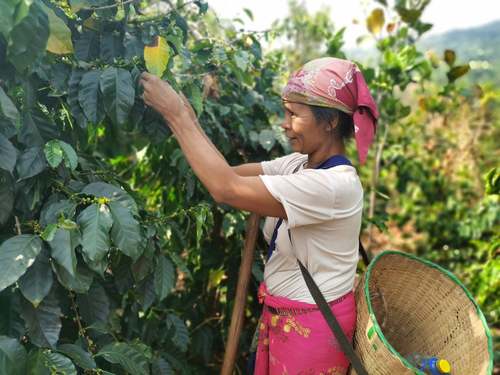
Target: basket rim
x=426, y=262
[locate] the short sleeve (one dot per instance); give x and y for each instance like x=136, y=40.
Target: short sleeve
x=283, y=165
x=307, y=196
x=273, y=167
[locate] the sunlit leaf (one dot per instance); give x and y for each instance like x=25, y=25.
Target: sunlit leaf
x=53, y=153
x=156, y=56
x=60, y=35
x=17, y=254
x=375, y=21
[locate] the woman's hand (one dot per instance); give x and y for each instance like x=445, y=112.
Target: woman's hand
x=162, y=97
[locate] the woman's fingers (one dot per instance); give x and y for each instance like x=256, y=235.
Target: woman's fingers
x=147, y=76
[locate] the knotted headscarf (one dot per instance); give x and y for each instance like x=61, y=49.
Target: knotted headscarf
x=336, y=83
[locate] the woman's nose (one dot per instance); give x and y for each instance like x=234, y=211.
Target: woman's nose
x=285, y=124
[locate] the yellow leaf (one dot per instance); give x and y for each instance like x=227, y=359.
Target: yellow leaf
x=60, y=35
x=449, y=57
x=157, y=56
x=375, y=21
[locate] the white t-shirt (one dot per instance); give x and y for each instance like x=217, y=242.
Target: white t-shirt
x=324, y=208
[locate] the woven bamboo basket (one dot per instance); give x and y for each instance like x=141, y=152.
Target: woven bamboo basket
x=409, y=305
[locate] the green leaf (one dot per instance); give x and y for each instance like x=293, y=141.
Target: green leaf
x=49, y=232
x=43, y=322
x=146, y=292
x=12, y=357
x=47, y=362
x=114, y=193
x=118, y=90
x=81, y=357
x=7, y=128
x=63, y=251
x=87, y=46
x=180, y=336
x=60, y=35
x=492, y=179
x=73, y=94
x=69, y=155
x=8, y=108
x=6, y=196
x=8, y=154
x=267, y=139
x=56, y=151
x=52, y=212
x=59, y=364
x=29, y=134
x=197, y=99
x=30, y=163
x=95, y=222
x=28, y=39
x=79, y=283
x=94, y=305
x=126, y=356
x=156, y=56
x=125, y=232
x=164, y=277
x=17, y=254
x=53, y=153
x=36, y=283
x=7, y=12
x=161, y=367
x=242, y=60
x=89, y=96
x=111, y=46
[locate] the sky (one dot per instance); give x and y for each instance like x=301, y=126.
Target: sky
x=444, y=14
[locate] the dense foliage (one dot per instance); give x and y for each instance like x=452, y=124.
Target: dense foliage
x=114, y=259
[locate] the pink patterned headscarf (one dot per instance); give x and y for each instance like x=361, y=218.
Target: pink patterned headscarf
x=336, y=83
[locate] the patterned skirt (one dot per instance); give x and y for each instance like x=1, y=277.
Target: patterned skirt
x=294, y=338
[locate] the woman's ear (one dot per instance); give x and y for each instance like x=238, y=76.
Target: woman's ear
x=332, y=126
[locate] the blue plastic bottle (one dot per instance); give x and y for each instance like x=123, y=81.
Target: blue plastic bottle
x=430, y=365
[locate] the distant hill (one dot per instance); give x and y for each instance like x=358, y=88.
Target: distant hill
x=479, y=46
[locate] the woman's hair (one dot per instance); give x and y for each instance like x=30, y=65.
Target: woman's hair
x=324, y=115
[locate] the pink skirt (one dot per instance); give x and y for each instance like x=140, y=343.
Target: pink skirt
x=294, y=338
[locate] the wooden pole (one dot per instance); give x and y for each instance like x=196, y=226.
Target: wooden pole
x=233, y=338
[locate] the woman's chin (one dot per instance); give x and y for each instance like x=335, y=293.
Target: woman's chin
x=294, y=145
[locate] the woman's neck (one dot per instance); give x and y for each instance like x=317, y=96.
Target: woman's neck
x=317, y=157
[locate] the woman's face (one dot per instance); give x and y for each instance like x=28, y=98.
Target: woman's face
x=300, y=126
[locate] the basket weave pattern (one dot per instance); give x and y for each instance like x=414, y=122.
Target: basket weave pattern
x=415, y=306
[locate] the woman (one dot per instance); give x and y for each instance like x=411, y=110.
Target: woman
x=325, y=102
